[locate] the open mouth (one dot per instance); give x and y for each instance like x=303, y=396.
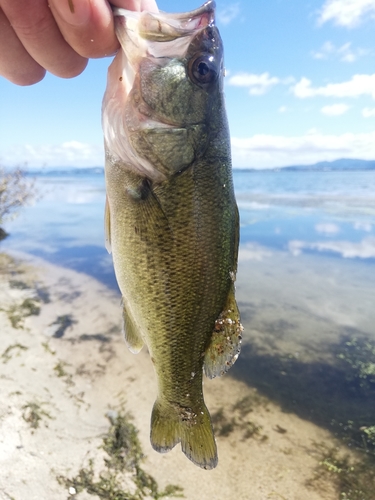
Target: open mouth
x=160, y=26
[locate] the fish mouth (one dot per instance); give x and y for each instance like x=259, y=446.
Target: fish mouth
x=161, y=26
x=157, y=35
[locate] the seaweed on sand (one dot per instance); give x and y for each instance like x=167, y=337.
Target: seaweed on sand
x=33, y=414
x=12, y=350
x=17, y=313
x=124, y=457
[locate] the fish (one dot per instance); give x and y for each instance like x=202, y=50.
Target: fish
x=171, y=219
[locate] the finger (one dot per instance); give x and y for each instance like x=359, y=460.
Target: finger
x=87, y=26
x=37, y=30
x=127, y=4
x=16, y=64
x=149, y=5
x=136, y=5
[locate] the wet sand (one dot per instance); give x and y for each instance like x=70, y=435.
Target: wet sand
x=79, y=368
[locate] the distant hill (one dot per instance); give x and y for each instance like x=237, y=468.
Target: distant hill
x=65, y=171
x=343, y=164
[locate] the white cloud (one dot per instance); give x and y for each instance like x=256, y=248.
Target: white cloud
x=358, y=85
x=349, y=13
x=345, y=53
x=257, y=84
x=270, y=151
x=368, y=112
x=228, y=14
x=282, y=109
x=363, y=226
x=335, y=109
x=66, y=154
x=364, y=249
x=327, y=49
x=257, y=151
x=327, y=228
x=349, y=57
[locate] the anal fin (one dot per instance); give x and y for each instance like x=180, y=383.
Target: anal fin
x=133, y=338
x=225, y=344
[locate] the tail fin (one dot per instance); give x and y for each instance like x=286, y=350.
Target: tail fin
x=172, y=423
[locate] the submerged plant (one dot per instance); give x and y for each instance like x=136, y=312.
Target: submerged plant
x=124, y=456
x=358, y=358
x=354, y=479
x=369, y=436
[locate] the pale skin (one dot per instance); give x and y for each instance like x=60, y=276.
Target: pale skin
x=58, y=36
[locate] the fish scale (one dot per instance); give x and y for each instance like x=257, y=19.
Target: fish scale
x=171, y=217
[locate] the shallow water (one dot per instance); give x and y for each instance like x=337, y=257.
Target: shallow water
x=306, y=289
x=301, y=313
x=66, y=226
x=305, y=283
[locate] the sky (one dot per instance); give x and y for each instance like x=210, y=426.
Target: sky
x=299, y=87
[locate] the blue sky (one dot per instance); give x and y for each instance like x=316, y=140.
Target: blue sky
x=300, y=88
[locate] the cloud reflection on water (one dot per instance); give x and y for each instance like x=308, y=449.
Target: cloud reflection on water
x=327, y=228
x=364, y=249
x=253, y=251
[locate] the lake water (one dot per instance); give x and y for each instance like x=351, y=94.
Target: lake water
x=305, y=285
x=317, y=213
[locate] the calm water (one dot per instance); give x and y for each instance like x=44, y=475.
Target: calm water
x=320, y=213
x=305, y=285
x=326, y=212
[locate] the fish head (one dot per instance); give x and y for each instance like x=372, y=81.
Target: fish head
x=164, y=86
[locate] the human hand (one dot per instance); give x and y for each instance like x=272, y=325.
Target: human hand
x=58, y=36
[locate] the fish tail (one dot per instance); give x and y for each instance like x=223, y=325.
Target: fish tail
x=172, y=423
x=165, y=427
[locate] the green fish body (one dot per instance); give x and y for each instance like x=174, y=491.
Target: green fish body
x=171, y=216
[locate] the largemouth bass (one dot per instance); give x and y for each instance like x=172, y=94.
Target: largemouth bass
x=171, y=216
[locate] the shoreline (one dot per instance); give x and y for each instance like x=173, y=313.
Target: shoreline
x=72, y=361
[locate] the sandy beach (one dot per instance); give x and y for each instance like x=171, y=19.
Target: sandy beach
x=64, y=365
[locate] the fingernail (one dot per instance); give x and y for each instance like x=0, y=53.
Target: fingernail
x=74, y=12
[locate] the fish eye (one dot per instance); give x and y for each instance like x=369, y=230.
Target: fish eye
x=203, y=69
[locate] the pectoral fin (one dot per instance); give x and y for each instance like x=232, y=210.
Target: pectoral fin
x=133, y=338
x=107, y=226
x=225, y=343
